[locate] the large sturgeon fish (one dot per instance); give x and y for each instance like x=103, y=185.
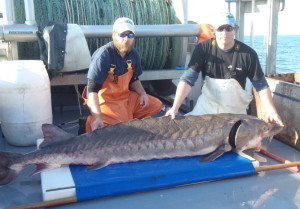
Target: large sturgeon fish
x=137, y=140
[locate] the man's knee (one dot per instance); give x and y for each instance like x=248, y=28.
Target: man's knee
x=155, y=105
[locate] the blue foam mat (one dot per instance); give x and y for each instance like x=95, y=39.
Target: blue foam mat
x=142, y=176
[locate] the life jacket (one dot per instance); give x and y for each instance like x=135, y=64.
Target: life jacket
x=206, y=32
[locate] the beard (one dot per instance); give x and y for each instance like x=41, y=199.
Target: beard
x=125, y=46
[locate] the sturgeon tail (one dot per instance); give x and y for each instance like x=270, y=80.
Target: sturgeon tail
x=8, y=174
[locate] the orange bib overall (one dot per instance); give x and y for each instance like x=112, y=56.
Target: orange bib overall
x=118, y=103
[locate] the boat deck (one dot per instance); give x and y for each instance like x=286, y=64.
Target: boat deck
x=269, y=190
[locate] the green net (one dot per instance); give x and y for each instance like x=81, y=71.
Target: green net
x=155, y=52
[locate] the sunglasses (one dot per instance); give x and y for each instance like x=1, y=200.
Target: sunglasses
x=129, y=35
x=228, y=28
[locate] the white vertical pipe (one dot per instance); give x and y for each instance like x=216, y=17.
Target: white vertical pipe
x=29, y=11
x=185, y=11
x=252, y=20
x=185, y=40
x=8, y=16
x=180, y=7
x=237, y=17
x=240, y=19
x=9, y=19
x=273, y=8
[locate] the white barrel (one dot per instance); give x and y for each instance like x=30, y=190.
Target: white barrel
x=25, y=101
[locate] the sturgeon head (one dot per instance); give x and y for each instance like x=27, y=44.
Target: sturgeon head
x=252, y=131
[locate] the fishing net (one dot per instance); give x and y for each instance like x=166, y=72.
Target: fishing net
x=156, y=52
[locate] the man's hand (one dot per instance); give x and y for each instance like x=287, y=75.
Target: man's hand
x=172, y=112
x=97, y=123
x=144, y=100
x=275, y=118
x=183, y=89
x=266, y=97
x=93, y=103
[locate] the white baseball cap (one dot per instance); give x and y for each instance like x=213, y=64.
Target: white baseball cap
x=123, y=24
x=225, y=18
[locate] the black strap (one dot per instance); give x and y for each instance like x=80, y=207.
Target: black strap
x=232, y=71
x=233, y=132
x=213, y=54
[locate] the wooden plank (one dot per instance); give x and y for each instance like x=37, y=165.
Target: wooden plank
x=69, y=79
x=160, y=74
x=80, y=79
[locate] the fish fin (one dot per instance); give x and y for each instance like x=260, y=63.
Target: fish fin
x=53, y=134
x=45, y=167
x=8, y=174
x=214, y=155
x=97, y=166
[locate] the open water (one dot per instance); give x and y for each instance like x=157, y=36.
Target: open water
x=288, y=52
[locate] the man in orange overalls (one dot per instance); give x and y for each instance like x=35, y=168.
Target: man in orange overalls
x=114, y=84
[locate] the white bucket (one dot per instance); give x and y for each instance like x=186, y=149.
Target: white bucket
x=25, y=101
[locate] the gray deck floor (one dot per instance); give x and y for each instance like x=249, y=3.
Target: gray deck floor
x=277, y=189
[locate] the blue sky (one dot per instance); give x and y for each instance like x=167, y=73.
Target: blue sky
x=202, y=11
